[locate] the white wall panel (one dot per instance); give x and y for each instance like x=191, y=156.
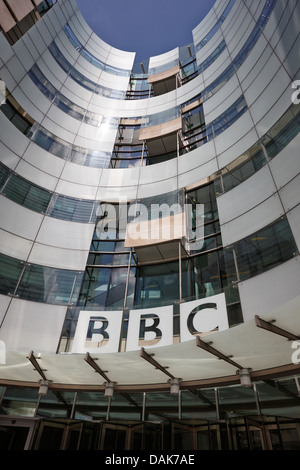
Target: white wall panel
x=65, y=234
x=239, y=32
x=246, y=195
x=15, y=246
x=8, y=157
x=159, y=172
x=156, y=188
x=81, y=174
x=288, y=37
x=23, y=54
x=266, y=292
x=198, y=174
x=36, y=176
x=114, y=194
x=238, y=148
x=286, y=164
x=67, y=48
x=37, y=40
x=60, y=258
x=68, y=124
x=252, y=221
x=292, y=61
x=4, y=303
x=222, y=100
x=234, y=133
x=6, y=50
x=200, y=31
x=290, y=193
x=78, y=191
x=57, y=130
x=31, y=99
x=77, y=28
x=255, y=62
x=43, y=160
x=31, y=47
x=16, y=68
x=18, y=220
x=78, y=90
x=8, y=78
x=263, y=83
x=11, y=136
x=163, y=59
x=120, y=177
x=196, y=157
x=281, y=104
x=32, y=326
x=217, y=38
x=47, y=34
x=279, y=20
x=51, y=69
x=95, y=135
x=216, y=68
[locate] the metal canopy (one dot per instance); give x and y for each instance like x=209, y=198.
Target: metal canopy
x=266, y=351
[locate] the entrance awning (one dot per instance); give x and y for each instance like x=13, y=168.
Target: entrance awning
x=265, y=346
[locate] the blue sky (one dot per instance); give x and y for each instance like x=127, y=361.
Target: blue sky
x=148, y=27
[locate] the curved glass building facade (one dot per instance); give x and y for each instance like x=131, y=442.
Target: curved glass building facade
x=149, y=237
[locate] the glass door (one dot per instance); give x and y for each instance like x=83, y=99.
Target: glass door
x=248, y=435
x=114, y=437
x=54, y=435
x=15, y=433
x=196, y=437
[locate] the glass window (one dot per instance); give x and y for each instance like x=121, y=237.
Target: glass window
x=10, y=272
x=4, y=174
x=26, y=194
x=49, y=285
x=201, y=276
x=265, y=249
x=76, y=210
x=104, y=287
x=215, y=28
x=157, y=285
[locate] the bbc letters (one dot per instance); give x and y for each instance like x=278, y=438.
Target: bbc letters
x=102, y=331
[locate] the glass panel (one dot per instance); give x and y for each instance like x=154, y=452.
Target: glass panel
x=236, y=401
x=49, y=285
x=68, y=208
x=58, y=405
x=278, y=396
x=10, y=272
x=115, y=439
x=94, y=287
x=91, y=405
x=126, y=406
x=201, y=277
x=26, y=194
x=182, y=438
x=20, y=401
x=198, y=404
x=51, y=438
x=157, y=285
x=265, y=249
x=13, y=438
x=117, y=287
x=212, y=32
x=4, y=173
x=161, y=403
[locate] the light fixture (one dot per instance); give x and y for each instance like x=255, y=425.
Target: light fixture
x=44, y=385
x=109, y=389
x=245, y=378
x=174, y=386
